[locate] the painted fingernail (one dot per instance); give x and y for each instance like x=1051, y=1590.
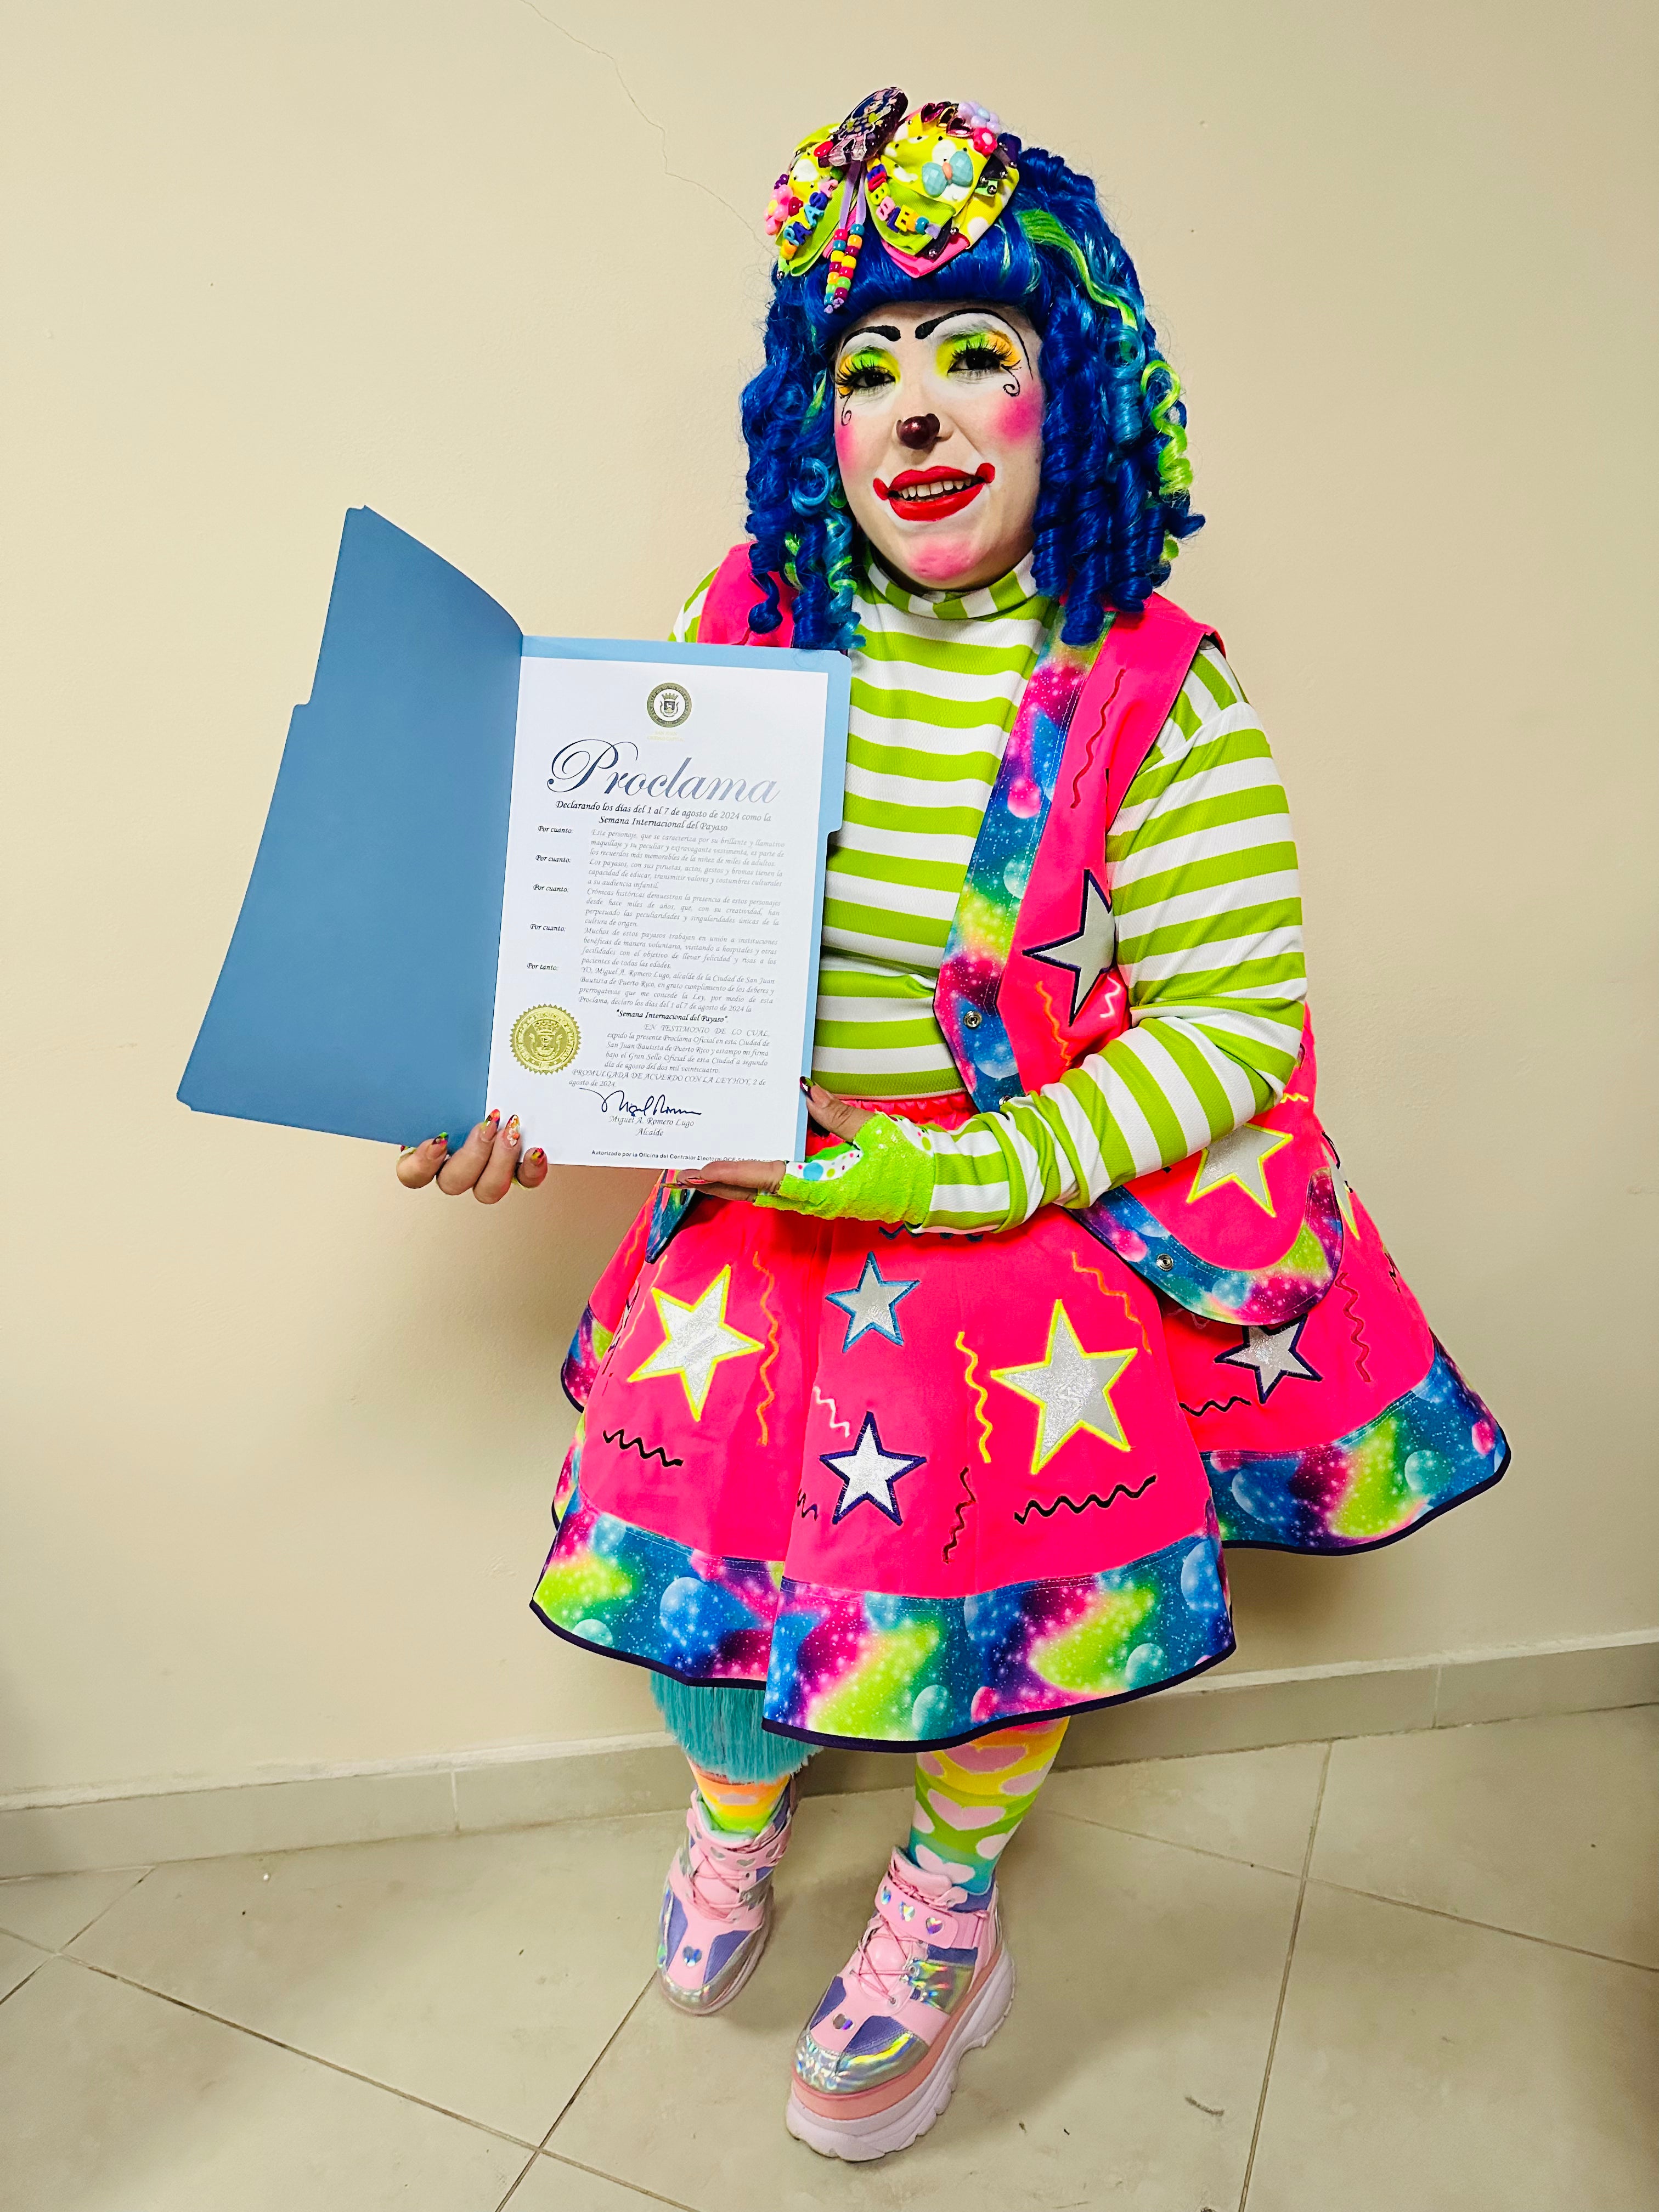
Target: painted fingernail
x=511, y=1132
x=442, y=1138
x=534, y=1159
x=493, y=1114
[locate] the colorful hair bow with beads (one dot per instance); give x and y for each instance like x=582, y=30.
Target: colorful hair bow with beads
x=930, y=181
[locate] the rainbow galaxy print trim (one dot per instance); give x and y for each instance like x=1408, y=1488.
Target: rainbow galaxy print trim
x=583, y=1362
x=983, y=932
x=1255, y=1297
x=669, y=1203
x=624, y=1589
x=864, y=1667
x=873, y=1670
x=1430, y=1449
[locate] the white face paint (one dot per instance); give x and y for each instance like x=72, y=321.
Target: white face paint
x=939, y=435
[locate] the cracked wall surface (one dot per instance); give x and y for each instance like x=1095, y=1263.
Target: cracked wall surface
x=279, y=1439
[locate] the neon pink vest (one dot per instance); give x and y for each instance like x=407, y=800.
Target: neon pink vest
x=1249, y=1230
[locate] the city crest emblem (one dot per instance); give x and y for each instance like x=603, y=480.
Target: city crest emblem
x=545, y=1039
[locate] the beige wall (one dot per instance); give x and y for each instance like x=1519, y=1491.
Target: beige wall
x=279, y=1437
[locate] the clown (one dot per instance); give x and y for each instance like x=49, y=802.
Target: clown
x=933, y=1438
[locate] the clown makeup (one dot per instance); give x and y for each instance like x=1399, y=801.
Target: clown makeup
x=939, y=436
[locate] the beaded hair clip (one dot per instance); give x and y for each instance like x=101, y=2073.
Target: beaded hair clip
x=930, y=181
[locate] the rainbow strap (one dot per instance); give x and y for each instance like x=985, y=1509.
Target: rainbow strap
x=982, y=933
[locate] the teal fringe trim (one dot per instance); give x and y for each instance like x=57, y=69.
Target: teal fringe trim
x=719, y=1727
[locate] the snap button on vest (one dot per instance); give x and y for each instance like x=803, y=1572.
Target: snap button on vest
x=972, y=1018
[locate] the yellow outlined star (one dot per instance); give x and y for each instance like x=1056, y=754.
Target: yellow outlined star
x=1240, y=1158
x=1072, y=1389
x=695, y=1341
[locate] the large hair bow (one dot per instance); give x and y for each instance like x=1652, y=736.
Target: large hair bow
x=929, y=180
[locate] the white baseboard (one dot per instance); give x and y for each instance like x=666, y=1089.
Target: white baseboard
x=525, y=1786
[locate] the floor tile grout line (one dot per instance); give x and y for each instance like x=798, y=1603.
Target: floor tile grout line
x=1490, y=1927
x=56, y=1950
x=131, y=1890
x=518, y=2180
x=46, y=1959
x=1285, y=1979
x=1141, y=1836
x=637, y=2189
x=29, y=1943
x=294, y=2050
x=598, y=2062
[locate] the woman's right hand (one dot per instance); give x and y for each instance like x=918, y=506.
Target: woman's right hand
x=487, y=1164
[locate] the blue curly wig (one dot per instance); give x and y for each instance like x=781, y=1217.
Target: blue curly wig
x=1113, y=504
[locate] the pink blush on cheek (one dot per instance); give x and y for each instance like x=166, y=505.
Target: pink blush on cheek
x=857, y=447
x=1020, y=422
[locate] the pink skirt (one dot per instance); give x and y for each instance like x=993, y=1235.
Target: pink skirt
x=921, y=1487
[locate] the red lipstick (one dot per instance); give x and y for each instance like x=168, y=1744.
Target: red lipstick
x=910, y=492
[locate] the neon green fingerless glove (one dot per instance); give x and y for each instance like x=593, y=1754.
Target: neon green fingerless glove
x=886, y=1173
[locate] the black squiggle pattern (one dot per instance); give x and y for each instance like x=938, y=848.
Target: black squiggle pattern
x=1075, y=1505
x=804, y=1511
x=1212, y=1404
x=625, y=1442
x=960, y=1520
x=1094, y=739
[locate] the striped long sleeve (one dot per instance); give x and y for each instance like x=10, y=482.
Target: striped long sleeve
x=1201, y=868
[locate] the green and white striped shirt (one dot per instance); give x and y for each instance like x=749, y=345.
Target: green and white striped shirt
x=1200, y=867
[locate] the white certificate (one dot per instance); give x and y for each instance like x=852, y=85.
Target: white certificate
x=663, y=899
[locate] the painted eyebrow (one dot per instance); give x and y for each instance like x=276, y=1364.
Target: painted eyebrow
x=926, y=329
x=872, y=331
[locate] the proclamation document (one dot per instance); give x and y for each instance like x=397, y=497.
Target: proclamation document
x=579, y=879
x=663, y=900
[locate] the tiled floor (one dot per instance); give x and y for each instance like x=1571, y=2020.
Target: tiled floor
x=1416, y=1972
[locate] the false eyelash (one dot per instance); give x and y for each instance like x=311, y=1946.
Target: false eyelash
x=864, y=373
x=984, y=354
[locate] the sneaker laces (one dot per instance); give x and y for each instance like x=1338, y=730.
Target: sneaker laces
x=881, y=1972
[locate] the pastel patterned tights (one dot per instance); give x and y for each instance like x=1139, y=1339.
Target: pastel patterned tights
x=970, y=1801
x=967, y=1803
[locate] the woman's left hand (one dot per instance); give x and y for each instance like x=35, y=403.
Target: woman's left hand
x=741, y=1179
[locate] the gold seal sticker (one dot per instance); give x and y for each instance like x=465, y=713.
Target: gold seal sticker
x=545, y=1039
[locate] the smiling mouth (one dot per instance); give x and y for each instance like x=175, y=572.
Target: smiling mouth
x=929, y=495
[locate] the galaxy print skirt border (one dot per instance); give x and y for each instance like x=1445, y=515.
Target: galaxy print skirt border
x=872, y=1671
x=1435, y=1447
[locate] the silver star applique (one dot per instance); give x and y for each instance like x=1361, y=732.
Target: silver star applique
x=695, y=1340
x=1091, y=949
x=1242, y=1158
x=870, y=1304
x=1072, y=1387
x=1271, y=1355
x=868, y=1471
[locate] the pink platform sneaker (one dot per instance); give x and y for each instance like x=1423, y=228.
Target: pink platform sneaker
x=931, y=1980
x=717, y=1907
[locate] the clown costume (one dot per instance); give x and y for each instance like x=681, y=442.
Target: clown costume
x=936, y=1436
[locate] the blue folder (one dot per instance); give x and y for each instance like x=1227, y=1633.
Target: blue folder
x=359, y=988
